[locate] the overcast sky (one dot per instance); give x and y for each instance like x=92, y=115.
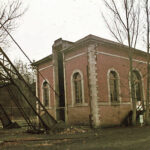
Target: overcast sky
x=47, y=20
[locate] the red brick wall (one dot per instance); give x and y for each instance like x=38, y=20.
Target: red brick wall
x=110, y=114
x=46, y=70
x=77, y=114
x=113, y=115
x=77, y=60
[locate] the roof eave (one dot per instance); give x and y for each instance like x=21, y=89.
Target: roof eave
x=95, y=39
x=45, y=59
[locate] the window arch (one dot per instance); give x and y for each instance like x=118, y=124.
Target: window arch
x=137, y=84
x=114, y=86
x=77, y=88
x=46, y=94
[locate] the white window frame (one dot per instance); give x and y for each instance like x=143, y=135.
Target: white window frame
x=72, y=88
x=43, y=94
x=142, y=84
x=119, y=89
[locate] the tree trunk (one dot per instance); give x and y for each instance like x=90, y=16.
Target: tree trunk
x=148, y=69
x=132, y=88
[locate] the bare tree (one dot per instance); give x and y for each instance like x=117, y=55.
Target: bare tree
x=10, y=11
x=26, y=70
x=148, y=58
x=124, y=26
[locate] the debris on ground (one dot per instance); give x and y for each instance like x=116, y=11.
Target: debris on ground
x=73, y=130
x=62, y=128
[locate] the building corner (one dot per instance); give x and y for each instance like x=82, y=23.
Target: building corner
x=92, y=72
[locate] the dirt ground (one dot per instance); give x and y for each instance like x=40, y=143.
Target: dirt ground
x=75, y=138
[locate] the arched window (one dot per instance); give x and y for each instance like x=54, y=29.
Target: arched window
x=113, y=84
x=77, y=87
x=46, y=94
x=137, y=85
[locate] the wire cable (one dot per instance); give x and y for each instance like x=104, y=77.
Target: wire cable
x=26, y=56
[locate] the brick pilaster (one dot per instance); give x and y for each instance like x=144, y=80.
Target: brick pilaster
x=92, y=68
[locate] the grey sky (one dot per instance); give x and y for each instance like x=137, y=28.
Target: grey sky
x=48, y=20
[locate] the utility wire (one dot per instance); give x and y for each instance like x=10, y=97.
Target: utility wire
x=26, y=56
x=15, y=42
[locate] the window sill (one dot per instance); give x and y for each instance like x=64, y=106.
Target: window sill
x=79, y=105
x=115, y=103
x=47, y=108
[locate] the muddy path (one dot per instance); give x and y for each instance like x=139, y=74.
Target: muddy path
x=131, y=138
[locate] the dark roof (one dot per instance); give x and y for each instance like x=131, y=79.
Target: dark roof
x=43, y=60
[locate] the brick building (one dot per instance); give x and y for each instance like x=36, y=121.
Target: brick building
x=91, y=80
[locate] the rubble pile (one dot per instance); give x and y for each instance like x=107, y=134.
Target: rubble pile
x=73, y=130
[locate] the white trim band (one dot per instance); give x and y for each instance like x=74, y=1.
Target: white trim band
x=45, y=67
x=75, y=56
x=108, y=54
